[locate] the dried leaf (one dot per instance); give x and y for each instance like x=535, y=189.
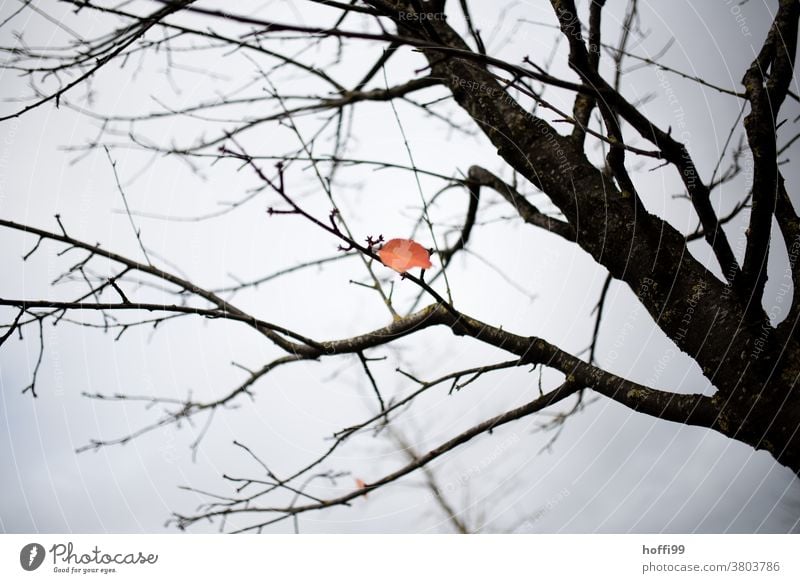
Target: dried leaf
x=404, y=254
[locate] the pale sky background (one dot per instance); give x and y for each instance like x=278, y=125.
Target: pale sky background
x=610, y=470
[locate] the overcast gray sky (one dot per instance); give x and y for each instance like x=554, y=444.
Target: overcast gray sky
x=610, y=470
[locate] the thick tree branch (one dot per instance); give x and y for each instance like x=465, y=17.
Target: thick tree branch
x=584, y=102
x=636, y=247
x=673, y=151
x=766, y=92
x=527, y=211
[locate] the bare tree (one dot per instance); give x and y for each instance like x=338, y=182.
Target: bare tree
x=591, y=174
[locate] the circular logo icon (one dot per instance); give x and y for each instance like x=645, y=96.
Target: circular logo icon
x=31, y=556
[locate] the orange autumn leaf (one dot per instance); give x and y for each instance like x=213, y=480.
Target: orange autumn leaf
x=404, y=254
